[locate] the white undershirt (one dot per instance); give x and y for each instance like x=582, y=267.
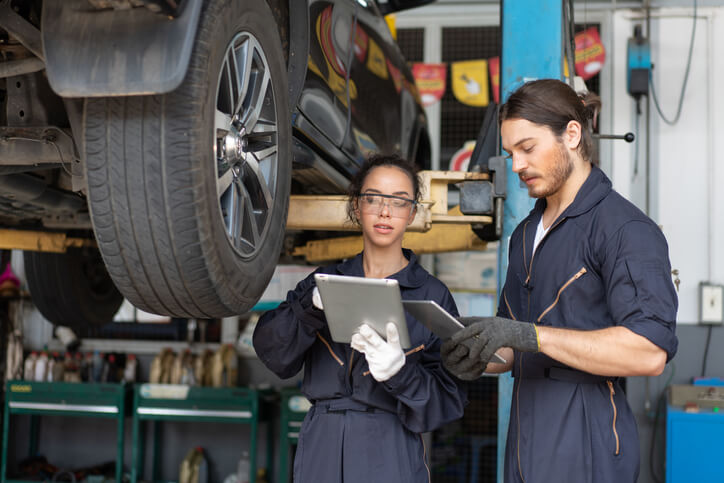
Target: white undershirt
x=540, y=232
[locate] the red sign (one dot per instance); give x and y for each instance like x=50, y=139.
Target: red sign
x=494, y=70
x=590, y=54
x=461, y=159
x=430, y=81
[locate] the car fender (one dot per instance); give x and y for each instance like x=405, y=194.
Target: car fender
x=91, y=53
x=298, y=49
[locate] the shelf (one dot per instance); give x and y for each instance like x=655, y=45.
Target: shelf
x=63, y=399
x=176, y=402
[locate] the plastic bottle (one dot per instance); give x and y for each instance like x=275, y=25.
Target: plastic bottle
x=29, y=367
x=96, y=370
x=41, y=367
x=203, y=467
x=73, y=367
x=109, y=369
x=68, y=361
x=58, y=371
x=86, y=368
x=50, y=368
x=243, y=468
x=187, y=369
x=129, y=372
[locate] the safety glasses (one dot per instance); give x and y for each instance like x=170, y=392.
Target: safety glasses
x=397, y=206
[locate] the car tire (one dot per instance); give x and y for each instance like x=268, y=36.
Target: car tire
x=189, y=191
x=72, y=288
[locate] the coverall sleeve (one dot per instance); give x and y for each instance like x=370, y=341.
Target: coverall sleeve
x=637, y=277
x=283, y=335
x=427, y=395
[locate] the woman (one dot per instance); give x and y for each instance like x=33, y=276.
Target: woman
x=370, y=399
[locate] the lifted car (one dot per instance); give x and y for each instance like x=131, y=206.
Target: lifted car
x=172, y=132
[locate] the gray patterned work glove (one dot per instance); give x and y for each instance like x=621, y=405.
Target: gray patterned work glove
x=467, y=352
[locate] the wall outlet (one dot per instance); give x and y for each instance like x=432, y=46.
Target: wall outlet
x=711, y=303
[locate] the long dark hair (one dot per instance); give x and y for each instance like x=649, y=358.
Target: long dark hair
x=376, y=161
x=552, y=103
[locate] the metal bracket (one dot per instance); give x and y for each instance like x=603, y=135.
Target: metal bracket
x=498, y=169
x=25, y=32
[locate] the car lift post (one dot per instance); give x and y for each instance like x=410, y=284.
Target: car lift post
x=532, y=48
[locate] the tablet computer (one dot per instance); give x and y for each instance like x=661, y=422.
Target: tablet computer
x=352, y=301
x=438, y=320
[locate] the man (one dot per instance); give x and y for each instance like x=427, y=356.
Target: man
x=588, y=299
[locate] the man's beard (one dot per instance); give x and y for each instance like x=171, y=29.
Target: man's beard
x=558, y=175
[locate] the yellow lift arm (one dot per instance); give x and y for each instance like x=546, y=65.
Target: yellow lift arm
x=435, y=228
x=40, y=241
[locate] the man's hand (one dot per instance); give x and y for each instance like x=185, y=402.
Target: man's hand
x=467, y=353
x=384, y=358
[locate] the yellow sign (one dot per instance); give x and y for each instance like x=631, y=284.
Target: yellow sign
x=376, y=60
x=470, y=82
x=21, y=388
x=391, y=24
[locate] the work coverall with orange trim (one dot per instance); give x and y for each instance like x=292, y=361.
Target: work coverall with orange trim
x=602, y=263
x=358, y=429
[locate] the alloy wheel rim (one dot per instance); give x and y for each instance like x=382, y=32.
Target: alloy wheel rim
x=245, y=147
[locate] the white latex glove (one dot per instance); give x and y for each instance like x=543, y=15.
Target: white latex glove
x=384, y=358
x=317, y=299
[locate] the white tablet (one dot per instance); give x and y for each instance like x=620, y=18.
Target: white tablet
x=350, y=302
x=438, y=320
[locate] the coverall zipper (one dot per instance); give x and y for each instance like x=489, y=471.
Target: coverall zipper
x=411, y=351
x=615, y=413
x=578, y=275
x=424, y=458
x=517, y=416
x=329, y=348
x=532, y=257
x=527, y=281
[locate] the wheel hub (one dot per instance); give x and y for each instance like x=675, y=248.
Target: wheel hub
x=235, y=145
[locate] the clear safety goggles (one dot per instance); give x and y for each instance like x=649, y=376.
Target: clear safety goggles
x=397, y=206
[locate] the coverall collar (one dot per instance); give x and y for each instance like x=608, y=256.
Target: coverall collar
x=592, y=191
x=412, y=276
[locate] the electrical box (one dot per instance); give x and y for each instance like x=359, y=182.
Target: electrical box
x=694, y=433
x=638, y=57
x=711, y=303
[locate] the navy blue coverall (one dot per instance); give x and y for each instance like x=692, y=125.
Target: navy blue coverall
x=602, y=263
x=358, y=429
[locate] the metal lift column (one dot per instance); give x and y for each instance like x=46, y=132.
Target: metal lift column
x=532, y=44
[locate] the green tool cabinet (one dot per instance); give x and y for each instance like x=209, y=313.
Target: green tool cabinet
x=63, y=399
x=166, y=402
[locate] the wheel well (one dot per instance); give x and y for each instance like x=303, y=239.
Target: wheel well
x=423, y=152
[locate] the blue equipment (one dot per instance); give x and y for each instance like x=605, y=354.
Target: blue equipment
x=638, y=61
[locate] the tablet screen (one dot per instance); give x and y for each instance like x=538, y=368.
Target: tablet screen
x=352, y=301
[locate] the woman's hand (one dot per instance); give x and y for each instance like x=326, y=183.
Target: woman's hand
x=385, y=359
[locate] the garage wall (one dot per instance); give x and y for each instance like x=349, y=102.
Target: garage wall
x=685, y=159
